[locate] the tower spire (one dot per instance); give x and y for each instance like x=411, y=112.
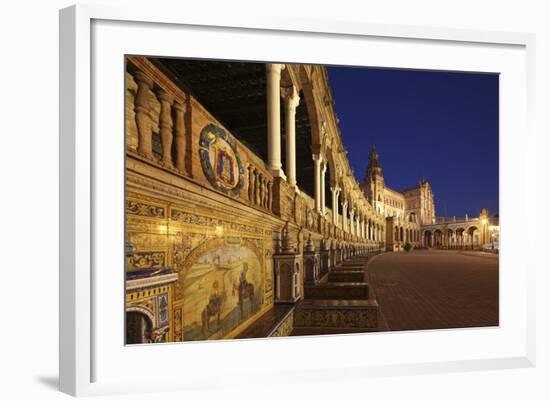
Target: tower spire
x=374, y=162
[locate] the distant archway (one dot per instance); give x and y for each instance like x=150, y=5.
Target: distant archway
x=428, y=239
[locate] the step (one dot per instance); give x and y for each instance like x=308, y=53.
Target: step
x=337, y=291
x=351, y=264
x=346, y=276
x=336, y=314
x=348, y=268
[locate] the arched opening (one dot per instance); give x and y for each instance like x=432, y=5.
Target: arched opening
x=473, y=237
x=428, y=239
x=449, y=238
x=304, y=154
x=138, y=327
x=401, y=234
x=459, y=235
x=438, y=238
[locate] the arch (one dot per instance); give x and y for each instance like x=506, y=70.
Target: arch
x=437, y=238
x=304, y=165
x=139, y=325
x=428, y=239
x=312, y=109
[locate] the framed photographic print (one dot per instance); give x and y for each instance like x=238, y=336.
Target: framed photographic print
x=237, y=196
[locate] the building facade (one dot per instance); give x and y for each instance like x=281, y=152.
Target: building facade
x=405, y=211
x=240, y=202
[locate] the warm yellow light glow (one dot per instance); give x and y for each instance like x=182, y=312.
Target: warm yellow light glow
x=218, y=231
x=484, y=221
x=163, y=228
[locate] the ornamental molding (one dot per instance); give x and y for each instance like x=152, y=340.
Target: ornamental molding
x=150, y=281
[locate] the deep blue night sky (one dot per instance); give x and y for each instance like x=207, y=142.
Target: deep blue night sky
x=442, y=126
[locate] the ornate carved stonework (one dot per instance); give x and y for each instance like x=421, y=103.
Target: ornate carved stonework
x=191, y=218
x=359, y=319
x=146, y=260
x=143, y=209
x=285, y=327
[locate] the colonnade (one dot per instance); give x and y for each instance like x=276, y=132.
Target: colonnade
x=259, y=187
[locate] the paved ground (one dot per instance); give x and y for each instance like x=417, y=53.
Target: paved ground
x=436, y=289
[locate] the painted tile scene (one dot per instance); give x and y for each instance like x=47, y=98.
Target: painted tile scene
x=271, y=200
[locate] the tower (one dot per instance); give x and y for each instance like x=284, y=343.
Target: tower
x=427, y=204
x=373, y=183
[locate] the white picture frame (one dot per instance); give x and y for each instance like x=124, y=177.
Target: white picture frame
x=84, y=354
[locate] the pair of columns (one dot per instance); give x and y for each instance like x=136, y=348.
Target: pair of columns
x=171, y=130
x=292, y=99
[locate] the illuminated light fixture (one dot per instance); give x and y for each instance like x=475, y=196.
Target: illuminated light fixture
x=129, y=248
x=218, y=231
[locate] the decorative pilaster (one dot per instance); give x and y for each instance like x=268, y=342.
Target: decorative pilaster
x=143, y=114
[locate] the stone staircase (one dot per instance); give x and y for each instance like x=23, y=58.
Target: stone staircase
x=339, y=303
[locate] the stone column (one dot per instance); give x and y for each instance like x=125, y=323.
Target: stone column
x=179, y=135
x=165, y=125
x=335, y=192
x=323, y=198
x=273, y=72
x=291, y=102
x=317, y=180
x=143, y=114
x=338, y=206
x=344, y=216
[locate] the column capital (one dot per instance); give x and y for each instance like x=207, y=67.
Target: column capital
x=317, y=157
x=180, y=107
x=291, y=97
x=274, y=68
x=164, y=96
x=141, y=78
